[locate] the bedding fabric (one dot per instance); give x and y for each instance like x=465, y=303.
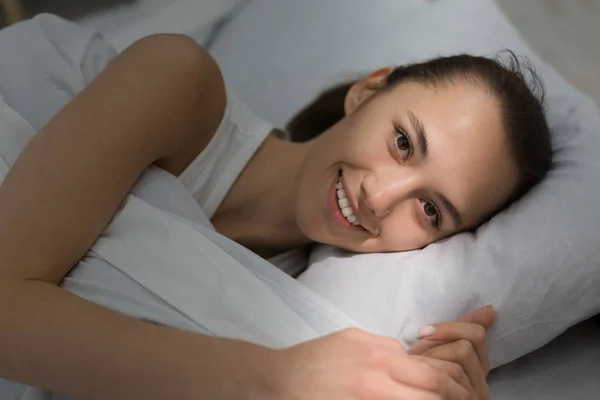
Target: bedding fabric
x=560, y=370
x=538, y=263
x=199, y=19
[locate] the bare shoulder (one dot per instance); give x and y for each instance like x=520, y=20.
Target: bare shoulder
x=176, y=50
x=192, y=68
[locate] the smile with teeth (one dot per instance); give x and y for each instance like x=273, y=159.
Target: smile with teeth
x=344, y=203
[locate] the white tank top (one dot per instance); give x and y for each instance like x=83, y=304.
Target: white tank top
x=212, y=174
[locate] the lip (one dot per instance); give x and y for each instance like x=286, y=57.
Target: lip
x=334, y=209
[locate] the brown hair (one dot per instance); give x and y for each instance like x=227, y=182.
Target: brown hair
x=515, y=85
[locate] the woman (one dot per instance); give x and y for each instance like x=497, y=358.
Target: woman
x=424, y=151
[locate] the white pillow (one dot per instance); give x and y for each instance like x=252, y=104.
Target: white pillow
x=537, y=263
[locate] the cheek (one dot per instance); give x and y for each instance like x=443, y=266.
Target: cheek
x=357, y=142
x=309, y=221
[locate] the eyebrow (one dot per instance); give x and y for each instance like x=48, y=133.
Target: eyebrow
x=421, y=134
x=454, y=213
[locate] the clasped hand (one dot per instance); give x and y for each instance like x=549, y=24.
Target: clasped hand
x=449, y=362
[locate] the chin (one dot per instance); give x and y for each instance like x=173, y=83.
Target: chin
x=318, y=233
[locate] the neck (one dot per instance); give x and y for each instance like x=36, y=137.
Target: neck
x=260, y=210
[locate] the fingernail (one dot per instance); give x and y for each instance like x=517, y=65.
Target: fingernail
x=426, y=331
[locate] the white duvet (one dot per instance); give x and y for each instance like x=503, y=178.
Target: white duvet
x=161, y=261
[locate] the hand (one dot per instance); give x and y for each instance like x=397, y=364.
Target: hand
x=460, y=349
x=355, y=365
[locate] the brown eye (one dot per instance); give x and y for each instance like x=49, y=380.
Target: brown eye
x=403, y=143
x=431, y=211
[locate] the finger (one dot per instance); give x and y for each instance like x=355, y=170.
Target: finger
x=412, y=372
x=448, y=332
x=449, y=389
x=450, y=369
x=422, y=346
x=483, y=316
x=420, y=375
x=462, y=354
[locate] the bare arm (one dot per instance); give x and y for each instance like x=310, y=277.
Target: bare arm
x=158, y=102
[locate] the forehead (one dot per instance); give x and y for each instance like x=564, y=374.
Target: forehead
x=469, y=158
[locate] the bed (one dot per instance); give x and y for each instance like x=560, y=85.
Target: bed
x=565, y=368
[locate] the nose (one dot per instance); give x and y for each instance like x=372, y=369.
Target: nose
x=384, y=190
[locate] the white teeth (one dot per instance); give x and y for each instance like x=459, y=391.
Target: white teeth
x=344, y=203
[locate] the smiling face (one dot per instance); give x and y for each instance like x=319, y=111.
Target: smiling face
x=407, y=166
